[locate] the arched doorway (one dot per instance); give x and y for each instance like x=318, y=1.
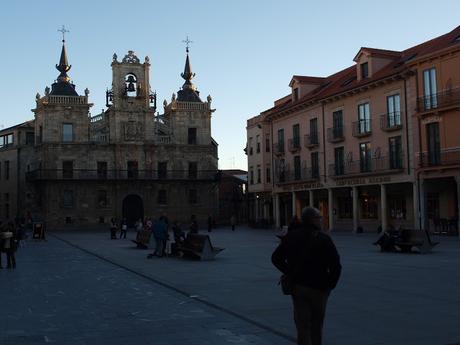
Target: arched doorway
x=133, y=209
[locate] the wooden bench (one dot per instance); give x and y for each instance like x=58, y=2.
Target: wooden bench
x=419, y=239
x=199, y=247
x=143, y=239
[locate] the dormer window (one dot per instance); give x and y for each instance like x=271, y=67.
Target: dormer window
x=295, y=93
x=364, y=70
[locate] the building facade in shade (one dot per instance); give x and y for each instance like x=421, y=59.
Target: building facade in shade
x=71, y=169
x=373, y=145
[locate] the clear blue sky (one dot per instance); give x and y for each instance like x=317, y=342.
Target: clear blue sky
x=244, y=52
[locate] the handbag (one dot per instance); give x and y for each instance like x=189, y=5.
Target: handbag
x=287, y=284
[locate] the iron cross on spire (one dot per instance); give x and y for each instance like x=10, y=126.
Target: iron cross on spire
x=63, y=30
x=187, y=44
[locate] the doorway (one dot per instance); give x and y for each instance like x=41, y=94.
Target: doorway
x=133, y=209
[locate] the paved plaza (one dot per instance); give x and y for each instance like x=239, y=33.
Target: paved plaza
x=82, y=288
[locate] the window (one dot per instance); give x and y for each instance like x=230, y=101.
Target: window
x=364, y=118
x=30, y=138
x=434, y=145
x=0, y=170
x=132, y=169
x=314, y=165
x=102, y=198
x=267, y=142
x=102, y=170
x=67, y=132
x=251, y=176
x=339, y=161
x=345, y=204
x=393, y=111
x=268, y=174
x=282, y=170
x=250, y=146
x=280, y=140
x=397, y=207
x=297, y=168
x=7, y=170
x=296, y=135
x=193, y=196
x=369, y=207
x=395, y=149
x=258, y=143
x=259, y=175
x=430, y=88
x=67, y=169
x=365, y=156
x=162, y=197
x=68, y=199
x=314, y=131
x=192, y=136
x=6, y=140
x=337, y=124
x=192, y=170
x=162, y=170
x=364, y=70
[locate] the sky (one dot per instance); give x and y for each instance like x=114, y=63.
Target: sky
x=244, y=52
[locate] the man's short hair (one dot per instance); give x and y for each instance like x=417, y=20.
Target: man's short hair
x=308, y=214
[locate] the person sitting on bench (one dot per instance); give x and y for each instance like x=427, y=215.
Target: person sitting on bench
x=386, y=242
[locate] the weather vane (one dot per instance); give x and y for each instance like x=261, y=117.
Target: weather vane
x=187, y=44
x=63, y=30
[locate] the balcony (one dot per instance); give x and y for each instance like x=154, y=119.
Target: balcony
x=439, y=101
x=390, y=122
x=294, y=144
x=367, y=167
x=118, y=175
x=302, y=175
x=335, y=134
x=443, y=157
x=278, y=148
x=311, y=140
x=362, y=128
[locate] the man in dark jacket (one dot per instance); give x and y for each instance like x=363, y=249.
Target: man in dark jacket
x=310, y=259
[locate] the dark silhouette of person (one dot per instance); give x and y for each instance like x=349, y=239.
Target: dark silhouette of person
x=309, y=258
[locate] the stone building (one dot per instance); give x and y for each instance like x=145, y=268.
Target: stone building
x=72, y=169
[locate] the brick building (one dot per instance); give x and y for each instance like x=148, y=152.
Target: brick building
x=72, y=169
x=372, y=145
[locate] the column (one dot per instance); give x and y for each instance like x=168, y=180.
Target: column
x=276, y=206
x=330, y=208
x=294, y=204
x=422, y=205
x=383, y=206
x=266, y=211
x=355, y=195
x=256, y=208
x=457, y=179
x=415, y=205
x=311, y=200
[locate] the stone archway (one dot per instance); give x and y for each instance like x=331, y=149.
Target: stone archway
x=133, y=209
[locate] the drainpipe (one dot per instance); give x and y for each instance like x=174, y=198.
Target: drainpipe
x=272, y=170
x=324, y=143
x=407, y=129
x=422, y=226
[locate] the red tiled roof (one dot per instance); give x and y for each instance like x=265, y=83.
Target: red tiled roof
x=346, y=80
x=307, y=79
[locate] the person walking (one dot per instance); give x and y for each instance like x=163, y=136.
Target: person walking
x=233, y=222
x=124, y=228
x=311, y=263
x=160, y=232
x=8, y=236
x=113, y=229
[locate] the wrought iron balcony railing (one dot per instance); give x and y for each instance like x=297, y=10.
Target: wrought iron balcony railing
x=311, y=140
x=304, y=174
x=119, y=175
x=439, y=158
x=335, y=134
x=362, y=128
x=374, y=165
x=439, y=100
x=294, y=144
x=278, y=148
x=390, y=121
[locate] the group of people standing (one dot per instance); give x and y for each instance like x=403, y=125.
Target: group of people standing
x=12, y=236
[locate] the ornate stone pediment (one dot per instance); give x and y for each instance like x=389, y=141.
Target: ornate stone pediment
x=131, y=58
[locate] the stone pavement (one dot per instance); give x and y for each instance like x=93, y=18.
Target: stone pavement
x=83, y=288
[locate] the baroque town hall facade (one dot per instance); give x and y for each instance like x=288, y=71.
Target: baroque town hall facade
x=71, y=169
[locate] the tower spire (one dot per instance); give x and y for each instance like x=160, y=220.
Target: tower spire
x=188, y=74
x=63, y=66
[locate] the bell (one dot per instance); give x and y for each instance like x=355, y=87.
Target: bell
x=131, y=82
